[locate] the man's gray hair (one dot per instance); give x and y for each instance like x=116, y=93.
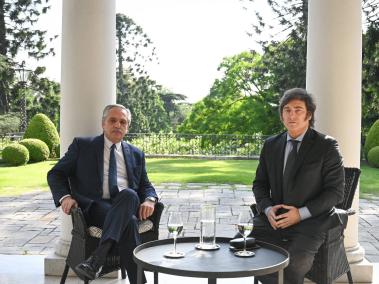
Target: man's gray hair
x=109, y=107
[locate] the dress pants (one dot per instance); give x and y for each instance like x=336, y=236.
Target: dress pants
x=117, y=218
x=302, y=246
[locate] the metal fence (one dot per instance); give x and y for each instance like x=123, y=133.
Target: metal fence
x=184, y=145
x=198, y=145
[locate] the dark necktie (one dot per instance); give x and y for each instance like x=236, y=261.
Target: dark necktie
x=112, y=174
x=291, y=159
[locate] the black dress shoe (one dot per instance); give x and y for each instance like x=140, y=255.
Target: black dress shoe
x=89, y=268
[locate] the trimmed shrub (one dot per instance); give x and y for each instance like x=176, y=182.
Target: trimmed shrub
x=373, y=157
x=38, y=150
x=41, y=127
x=15, y=154
x=372, y=138
x=9, y=123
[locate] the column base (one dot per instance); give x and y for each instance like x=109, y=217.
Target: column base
x=54, y=266
x=355, y=254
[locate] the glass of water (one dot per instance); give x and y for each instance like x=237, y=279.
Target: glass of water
x=245, y=227
x=175, y=227
x=207, y=228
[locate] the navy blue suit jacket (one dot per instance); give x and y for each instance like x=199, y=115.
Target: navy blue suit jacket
x=80, y=172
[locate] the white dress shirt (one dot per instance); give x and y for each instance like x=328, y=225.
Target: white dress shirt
x=122, y=178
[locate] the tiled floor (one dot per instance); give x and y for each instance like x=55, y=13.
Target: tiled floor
x=29, y=225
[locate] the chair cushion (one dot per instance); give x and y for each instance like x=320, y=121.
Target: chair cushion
x=143, y=227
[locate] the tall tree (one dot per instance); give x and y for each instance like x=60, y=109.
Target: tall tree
x=42, y=96
x=241, y=102
x=175, y=106
x=143, y=100
x=134, y=48
x=292, y=15
x=19, y=34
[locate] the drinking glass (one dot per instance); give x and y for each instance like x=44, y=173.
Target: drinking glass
x=175, y=227
x=245, y=226
x=207, y=228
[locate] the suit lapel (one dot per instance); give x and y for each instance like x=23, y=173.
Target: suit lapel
x=278, y=151
x=305, y=146
x=99, y=145
x=128, y=162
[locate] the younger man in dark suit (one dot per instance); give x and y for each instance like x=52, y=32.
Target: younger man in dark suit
x=106, y=177
x=299, y=180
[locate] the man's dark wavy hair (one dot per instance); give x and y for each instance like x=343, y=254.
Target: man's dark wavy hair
x=302, y=95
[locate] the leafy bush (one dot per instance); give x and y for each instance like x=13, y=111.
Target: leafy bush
x=41, y=127
x=9, y=123
x=15, y=154
x=372, y=138
x=38, y=150
x=373, y=157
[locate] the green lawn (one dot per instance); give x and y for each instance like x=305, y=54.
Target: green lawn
x=189, y=170
x=18, y=180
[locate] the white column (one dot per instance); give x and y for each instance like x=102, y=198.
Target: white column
x=334, y=65
x=88, y=81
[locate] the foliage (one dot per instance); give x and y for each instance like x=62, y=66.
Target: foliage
x=6, y=76
x=9, y=123
x=370, y=75
x=38, y=150
x=244, y=100
x=143, y=100
x=177, y=112
x=198, y=145
x=135, y=89
x=42, y=96
x=373, y=157
x=41, y=127
x=15, y=154
x=372, y=138
x=133, y=46
x=18, y=34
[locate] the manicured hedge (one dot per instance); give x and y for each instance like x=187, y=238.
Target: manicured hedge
x=15, y=154
x=38, y=150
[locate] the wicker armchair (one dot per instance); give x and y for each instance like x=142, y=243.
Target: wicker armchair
x=85, y=240
x=331, y=262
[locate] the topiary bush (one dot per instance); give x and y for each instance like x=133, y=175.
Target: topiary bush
x=41, y=127
x=373, y=157
x=372, y=138
x=15, y=154
x=38, y=150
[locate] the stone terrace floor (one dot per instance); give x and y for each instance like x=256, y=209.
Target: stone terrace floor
x=29, y=224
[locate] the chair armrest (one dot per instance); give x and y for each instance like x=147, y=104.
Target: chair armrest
x=156, y=217
x=79, y=225
x=254, y=209
x=350, y=212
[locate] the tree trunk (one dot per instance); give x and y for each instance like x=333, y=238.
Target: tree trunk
x=4, y=104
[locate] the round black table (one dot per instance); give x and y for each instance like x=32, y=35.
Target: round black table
x=221, y=263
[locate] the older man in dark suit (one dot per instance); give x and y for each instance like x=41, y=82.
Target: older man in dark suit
x=106, y=177
x=299, y=180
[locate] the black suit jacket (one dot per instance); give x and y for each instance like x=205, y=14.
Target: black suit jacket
x=317, y=180
x=80, y=172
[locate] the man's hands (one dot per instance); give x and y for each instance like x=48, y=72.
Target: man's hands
x=284, y=220
x=67, y=203
x=146, y=209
